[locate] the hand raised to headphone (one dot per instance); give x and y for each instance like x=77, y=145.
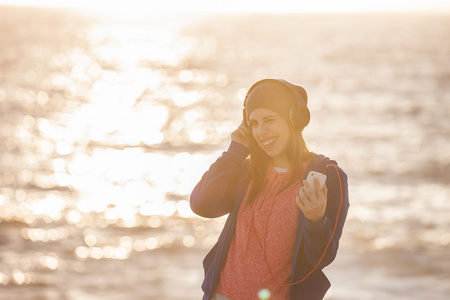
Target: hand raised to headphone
x=312, y=200
x=242, y=134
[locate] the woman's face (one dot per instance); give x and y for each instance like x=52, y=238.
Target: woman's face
x=271, y=133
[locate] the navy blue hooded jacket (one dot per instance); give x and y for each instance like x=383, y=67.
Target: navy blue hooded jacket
x=221, y=191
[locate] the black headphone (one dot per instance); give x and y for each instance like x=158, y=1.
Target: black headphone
x=299, y=112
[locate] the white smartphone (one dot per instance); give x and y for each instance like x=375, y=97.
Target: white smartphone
x=320, y=176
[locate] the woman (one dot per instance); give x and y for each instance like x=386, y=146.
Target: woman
x=281, y=231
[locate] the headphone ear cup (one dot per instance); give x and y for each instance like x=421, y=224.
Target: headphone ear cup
x=300, y=117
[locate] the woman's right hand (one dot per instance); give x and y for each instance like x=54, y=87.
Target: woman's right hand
x=242, y=135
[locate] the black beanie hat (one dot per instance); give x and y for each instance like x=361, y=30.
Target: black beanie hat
x=280, y=96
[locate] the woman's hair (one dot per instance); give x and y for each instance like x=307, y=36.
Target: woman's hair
x=297, y=152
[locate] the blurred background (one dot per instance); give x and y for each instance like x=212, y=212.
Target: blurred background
x=110, y=112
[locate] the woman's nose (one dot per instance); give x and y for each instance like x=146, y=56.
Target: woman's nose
x=261, y=129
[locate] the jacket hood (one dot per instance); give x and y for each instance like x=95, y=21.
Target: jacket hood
x=318, y=163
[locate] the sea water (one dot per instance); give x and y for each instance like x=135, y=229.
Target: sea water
x=107, y=122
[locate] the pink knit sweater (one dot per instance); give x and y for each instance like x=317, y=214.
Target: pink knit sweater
x=261, y=251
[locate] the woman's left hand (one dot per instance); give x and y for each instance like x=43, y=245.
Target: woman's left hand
x=312, y=200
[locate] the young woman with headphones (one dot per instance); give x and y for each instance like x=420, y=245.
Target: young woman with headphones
x=282, y=229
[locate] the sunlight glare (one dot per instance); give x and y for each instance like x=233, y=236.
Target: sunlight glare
x=183, y=99
x=51, y=206
x=50, y=261
x=73, y=216
x=197, y=136
x=4, y=279
x=188, y=241
x=184, y=209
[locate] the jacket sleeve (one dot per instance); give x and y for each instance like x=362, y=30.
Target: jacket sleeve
x=321, y=240
x=214, y=195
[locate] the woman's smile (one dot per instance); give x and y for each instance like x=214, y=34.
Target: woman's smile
x=268, y=143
